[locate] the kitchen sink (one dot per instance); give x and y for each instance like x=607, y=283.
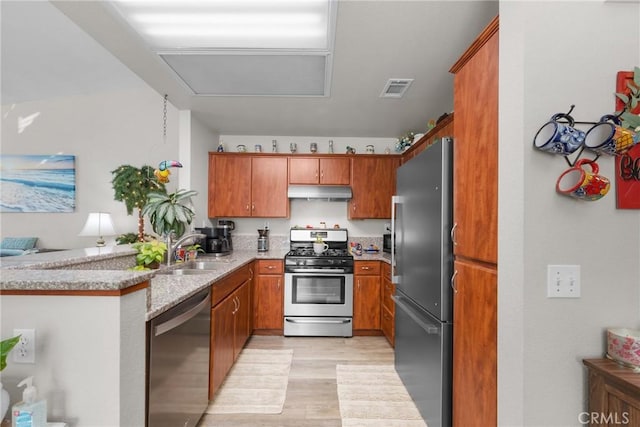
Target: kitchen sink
x=205, y=265
x=184, y=272
x=195, y=267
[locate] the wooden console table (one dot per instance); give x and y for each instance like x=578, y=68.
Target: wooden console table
x=614, y=394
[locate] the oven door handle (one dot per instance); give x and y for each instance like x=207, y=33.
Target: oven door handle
x=316, y=321
x=316, y=270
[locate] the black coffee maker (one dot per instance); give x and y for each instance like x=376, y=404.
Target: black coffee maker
x=218, y=241
x=225, y=227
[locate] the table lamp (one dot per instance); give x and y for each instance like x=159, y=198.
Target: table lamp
x=98, y=224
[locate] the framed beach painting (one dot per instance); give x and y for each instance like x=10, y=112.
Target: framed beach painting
x=37, y=183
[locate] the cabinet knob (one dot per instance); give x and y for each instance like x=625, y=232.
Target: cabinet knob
x=366, y=268
x=270, y=267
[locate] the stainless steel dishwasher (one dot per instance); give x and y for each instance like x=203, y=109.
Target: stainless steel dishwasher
x=178, y=363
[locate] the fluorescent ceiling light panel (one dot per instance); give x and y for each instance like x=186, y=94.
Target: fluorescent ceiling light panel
x=218, y=24
x=251, y=74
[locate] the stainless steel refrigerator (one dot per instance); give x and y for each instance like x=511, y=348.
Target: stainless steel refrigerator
x=422, y=258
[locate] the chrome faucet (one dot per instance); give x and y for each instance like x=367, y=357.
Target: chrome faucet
x=171, y=247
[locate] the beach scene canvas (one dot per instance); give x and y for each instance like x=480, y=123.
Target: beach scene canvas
x=37, y=183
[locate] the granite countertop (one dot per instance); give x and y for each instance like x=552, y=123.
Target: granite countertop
x=72, y=270
x=168, y=290
x=105, y=269
x=65, y=258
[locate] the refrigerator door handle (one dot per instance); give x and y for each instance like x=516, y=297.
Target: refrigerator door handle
x=429, y=328
x=453, y=282
x=453, y=234
x=395, y=277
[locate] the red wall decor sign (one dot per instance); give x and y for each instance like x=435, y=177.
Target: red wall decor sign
x=628, y=164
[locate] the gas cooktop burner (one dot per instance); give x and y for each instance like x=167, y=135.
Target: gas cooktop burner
x=308, y=252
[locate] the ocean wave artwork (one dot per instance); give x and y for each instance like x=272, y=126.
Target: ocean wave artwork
x=37, y=183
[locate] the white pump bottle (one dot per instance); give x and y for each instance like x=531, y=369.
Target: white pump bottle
x=31, y=412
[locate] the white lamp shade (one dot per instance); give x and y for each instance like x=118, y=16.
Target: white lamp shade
x=98, y=224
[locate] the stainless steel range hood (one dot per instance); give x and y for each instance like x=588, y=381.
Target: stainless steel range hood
x=330, y=193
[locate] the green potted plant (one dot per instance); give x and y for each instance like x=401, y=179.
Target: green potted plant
x=150, y=254
x=170, y=212
x=5, y=348
x=131, y=186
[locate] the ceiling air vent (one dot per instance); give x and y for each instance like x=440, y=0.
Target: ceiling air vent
x=395, y=88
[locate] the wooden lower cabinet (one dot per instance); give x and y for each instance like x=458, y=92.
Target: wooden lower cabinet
x=230, y=324
x=366, y=297
x=268, y=299
x=614, y=395
x=387, y=305
x=474, y=345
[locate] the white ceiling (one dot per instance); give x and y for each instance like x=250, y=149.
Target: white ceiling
x=46, y=54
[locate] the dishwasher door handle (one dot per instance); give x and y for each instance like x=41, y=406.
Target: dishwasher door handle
x=182, y=318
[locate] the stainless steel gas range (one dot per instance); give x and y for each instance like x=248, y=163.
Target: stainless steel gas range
x=318, y=288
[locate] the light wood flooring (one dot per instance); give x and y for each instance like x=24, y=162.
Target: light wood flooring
x=312, y=399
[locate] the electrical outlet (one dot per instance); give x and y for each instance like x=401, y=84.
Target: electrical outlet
x=563, y=281
x=25, y=350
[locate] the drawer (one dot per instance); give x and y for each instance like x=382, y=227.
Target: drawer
x=269, y=266
x=388, y=289
x=367, y=268
x=220, y=289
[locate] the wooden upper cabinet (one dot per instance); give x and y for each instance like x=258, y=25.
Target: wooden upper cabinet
x=269, y=187
x=373, y=182
x=475, y=151
x=325, y=170
x=242, y=185
x=229, y=185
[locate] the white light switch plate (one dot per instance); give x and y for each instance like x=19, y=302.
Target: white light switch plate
x=563, y=281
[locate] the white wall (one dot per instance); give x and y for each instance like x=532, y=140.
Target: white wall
x=90, y=356
x=552, y=55
x=103, y=131
x=202, y=140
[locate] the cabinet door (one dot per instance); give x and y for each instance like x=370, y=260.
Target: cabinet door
x=269, y=187
x=268, y=302
x=366, y=302
x=242, y=317
x=229, y=185
x=474, y=345
x=335, y=171
x=222, y=343
x=303, y=170
x=373, y=181
x=388, y=306
x=475, y=179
